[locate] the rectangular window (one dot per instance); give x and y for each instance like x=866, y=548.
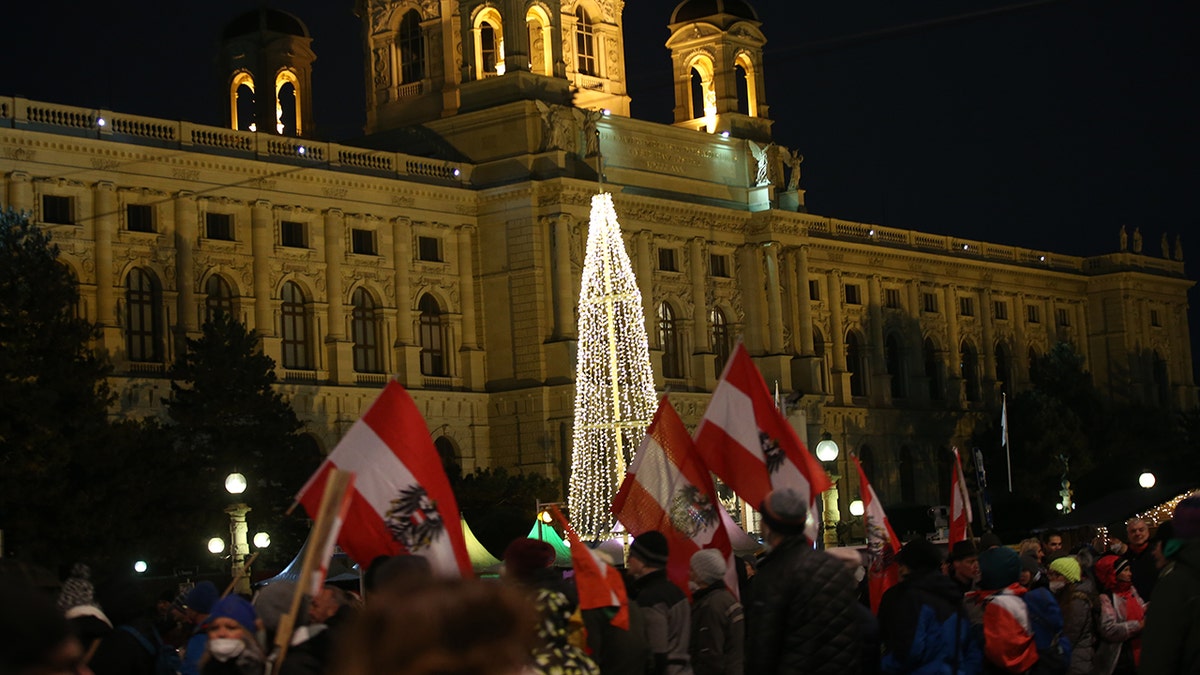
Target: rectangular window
x=57, y=210
x=718, y=265
x=1155, y=320
x=966, y=306
x=666, y=260
x=929, y=302
x=139, y=217
x=429, y=249
x=891, y=298
x=1033, y=314
x=814, y=290
x=218, y=226
x=853, y=295
x=1001, y=310
x=362, y=242
x=1063, y=316
x=291, y=233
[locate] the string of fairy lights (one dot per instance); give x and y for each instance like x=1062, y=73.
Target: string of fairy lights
x=614, y=384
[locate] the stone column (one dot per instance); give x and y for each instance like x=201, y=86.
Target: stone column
x=991, y=392
x=187, y=223
x=20, y=191
x=565, y=294
x=1020, y=345
x=408, y=352
x=339, y=349
x=774, y=299
x=262, y=242
x=806, y=368
x=882, y=389
x=645, y=281
x=954, y=379
x=750, y=282
x=105, y=228
x=471, y=355
x=837, y=340
x=704, y=365
x=1051, y=320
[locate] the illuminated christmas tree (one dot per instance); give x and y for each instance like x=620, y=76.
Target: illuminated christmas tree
x=614, y=385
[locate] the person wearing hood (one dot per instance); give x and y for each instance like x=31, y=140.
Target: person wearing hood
x=718, y=622
x=1122, y=617
x=1017, y=622
x=1079, y=625
x=233, y=647
x=922, y=623
x=1171, y=640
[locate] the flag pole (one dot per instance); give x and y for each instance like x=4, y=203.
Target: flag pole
x=1004, y=439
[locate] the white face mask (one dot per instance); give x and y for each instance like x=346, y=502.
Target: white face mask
x=1057, y=586
x=224, y=649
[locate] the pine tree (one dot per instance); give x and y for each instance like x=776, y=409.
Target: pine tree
x=227, y=416
x=614, y=384
x=53, y=394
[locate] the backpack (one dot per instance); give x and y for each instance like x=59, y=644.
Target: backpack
x=166, y=657
x=1055, y=658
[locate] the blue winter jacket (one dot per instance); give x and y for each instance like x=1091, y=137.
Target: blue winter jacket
x=924, y=629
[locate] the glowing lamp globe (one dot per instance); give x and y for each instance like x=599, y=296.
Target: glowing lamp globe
x=545, y=517
x=857, y=508
x=216, y=545
x=235, y=483
x=827, y=450
x=140, y=566
x=1147, y=480
x=262, y=540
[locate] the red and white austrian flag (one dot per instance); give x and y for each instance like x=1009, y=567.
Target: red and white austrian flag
x=748, y=443
x=401, y=502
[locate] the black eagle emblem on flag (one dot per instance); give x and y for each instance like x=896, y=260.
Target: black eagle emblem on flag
x=692, y=511
x=414, y=520
x=771, y=452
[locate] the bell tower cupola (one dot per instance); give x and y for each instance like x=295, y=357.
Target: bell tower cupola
x=266, y=61
x=716, y=52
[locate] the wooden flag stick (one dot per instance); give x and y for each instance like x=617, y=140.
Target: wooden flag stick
x=335, y=490
x=244, y=573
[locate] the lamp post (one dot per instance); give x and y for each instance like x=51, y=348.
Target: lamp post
x=827, y=452
x=235, y=484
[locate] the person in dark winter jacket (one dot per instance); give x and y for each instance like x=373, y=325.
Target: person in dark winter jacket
x=616, y=650
x=923, y=625
x=668, y=617
x=196, y=605
x=718, y=624
x=132, y=646
x=233, y=647
x=800, y=618
x=1171, y=639
x=1078, y=610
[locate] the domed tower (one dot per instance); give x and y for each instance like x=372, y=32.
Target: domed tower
x=266, y=59
x=716, y=49
x=431, y=59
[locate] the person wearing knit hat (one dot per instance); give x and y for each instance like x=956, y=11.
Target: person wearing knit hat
x=1079, y=623
x=668, y=617
x=197, y=603
x=718, y=624
x=1171, y=639
x=233, y=647
x=963, y=565
x=77, y=600
x=922, y=623
x=1122, y=617
x=800, y=616
x=998, y=568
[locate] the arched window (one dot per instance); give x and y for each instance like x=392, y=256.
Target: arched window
x=894, y=357
x=908, y=475
x=720, y=337
x=856, y=364
x=296, y=338
x=703, y=95
x=743, y=89
x=411, y=44
x=585, y=42
x=933, y=372
x=143, y=324
x=489, y=45
x=241, y=101
x=970, y=371
x=448, y=454
x=287, y=104
x=668, y=340
x=945, y=468
x=364, y=331
x=541, y=57
x=432, y=338
x=218, y=298
x=1003, y=368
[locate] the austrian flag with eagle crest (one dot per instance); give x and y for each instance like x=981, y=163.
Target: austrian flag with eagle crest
x=692, y=512
x=414, y=520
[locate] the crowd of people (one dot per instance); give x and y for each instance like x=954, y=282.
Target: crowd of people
x=1040, y=606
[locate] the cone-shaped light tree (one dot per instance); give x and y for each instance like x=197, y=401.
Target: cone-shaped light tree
x=614, y=385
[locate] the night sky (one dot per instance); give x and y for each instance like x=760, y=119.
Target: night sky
x=1044, y=124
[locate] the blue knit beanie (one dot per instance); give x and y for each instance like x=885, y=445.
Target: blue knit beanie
x=237, y=608
x=998, y=568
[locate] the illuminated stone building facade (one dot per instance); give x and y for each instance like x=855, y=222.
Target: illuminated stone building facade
x=449, y=254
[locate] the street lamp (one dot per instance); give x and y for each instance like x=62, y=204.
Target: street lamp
x=1147, y=480
x=235, y=484
x=857, y=509
x=827, y=452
